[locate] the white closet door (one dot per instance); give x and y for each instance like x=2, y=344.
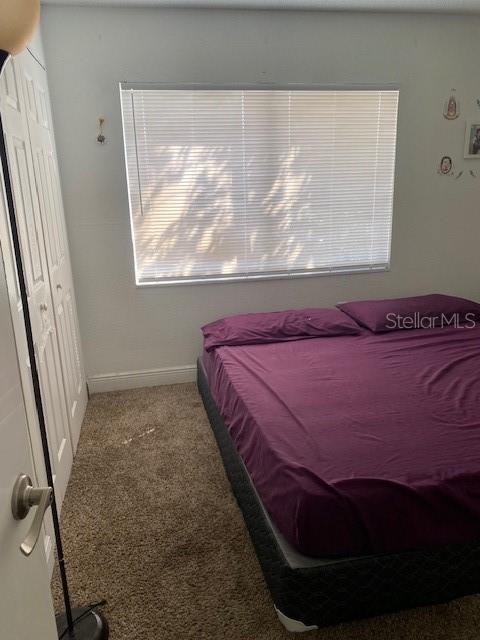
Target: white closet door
x=14, y=106
x=56, y=245
x=9, y=93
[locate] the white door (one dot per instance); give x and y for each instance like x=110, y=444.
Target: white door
x=9, y=92
x=51, y=207
x=14, y=117
x=26, y=609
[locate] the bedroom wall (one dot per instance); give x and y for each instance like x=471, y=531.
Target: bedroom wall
x=35, y=47
x=127, y=330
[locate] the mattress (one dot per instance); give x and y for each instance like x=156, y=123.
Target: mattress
x=292, y=557
x=359, y=445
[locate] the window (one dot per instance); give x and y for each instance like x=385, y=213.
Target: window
x=253, y=183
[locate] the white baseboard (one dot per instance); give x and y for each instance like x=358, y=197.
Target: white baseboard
x=134, y=379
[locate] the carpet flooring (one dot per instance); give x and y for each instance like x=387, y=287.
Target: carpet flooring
x=150, y=524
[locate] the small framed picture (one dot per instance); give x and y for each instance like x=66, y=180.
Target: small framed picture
x=472, y=139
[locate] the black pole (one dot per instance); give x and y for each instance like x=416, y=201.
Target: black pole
x=33, y=364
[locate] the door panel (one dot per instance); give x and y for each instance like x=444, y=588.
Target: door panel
x=10, y=89
x=66, y=328
x=58, y=260
x=27, y=212
x=15, y=115
x=51, y=388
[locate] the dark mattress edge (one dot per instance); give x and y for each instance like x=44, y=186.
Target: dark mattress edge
x=341, y=589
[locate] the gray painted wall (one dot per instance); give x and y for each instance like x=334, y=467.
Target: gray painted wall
x=436, y=219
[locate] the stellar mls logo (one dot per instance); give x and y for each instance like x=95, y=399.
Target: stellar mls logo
x=417, y=321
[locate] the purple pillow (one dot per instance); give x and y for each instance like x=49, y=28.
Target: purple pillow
x=278, y=326
x=419, y=312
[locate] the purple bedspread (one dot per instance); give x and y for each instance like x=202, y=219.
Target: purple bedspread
x=359, y=444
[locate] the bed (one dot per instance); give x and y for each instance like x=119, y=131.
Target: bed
x=355, y=460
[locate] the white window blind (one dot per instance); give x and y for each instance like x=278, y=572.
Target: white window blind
x=234, y=184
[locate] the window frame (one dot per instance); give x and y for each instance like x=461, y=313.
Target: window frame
x=261, y=86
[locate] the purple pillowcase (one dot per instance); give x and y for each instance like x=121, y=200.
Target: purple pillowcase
x=279, y=326
x=418, y=312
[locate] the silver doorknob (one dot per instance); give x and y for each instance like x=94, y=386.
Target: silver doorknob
x=24, y=497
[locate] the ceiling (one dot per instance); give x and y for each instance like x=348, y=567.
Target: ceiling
x=448, y=6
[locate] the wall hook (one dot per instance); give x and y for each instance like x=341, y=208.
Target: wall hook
x=101, y=138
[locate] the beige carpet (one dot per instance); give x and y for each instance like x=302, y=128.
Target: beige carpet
x=150, y=524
